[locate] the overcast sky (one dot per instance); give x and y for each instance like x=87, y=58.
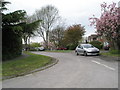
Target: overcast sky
x=73, y=11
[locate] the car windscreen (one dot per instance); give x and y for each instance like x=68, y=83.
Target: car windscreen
x=88, y=46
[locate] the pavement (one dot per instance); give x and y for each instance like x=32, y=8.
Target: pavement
x=70, y=72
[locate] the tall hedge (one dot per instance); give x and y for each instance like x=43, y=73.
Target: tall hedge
x=11, y=44
x=97, y=44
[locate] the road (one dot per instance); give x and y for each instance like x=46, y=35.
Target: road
x=70, y=72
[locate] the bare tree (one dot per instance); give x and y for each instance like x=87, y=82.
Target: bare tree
x=57, y=35
x=48, y=15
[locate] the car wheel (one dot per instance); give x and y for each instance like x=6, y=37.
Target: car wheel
x=85, y=53
x=77, y=53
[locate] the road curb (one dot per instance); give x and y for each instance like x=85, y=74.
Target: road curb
x=53, y=62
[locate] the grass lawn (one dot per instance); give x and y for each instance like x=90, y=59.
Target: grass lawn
x=114, y=53
x=60, y=51
x=27, y=64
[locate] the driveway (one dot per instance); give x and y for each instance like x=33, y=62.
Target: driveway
x=70, y=72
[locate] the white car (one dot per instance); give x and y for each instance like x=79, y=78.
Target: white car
x=86, y=49
x=40, y=48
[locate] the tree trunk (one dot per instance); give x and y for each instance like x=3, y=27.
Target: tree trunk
x=47, y=42
x=29, y=43
x=25, y=41
x=114, y=44
x=118, y=44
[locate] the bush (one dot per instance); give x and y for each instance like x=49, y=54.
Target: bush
x=35, y=45
x=11, y=45
x=72, y=46
x=97, y=44
x=32, y=49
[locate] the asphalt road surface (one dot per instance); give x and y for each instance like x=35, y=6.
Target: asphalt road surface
x=70, y=72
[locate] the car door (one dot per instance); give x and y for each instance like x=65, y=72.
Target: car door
x=80, y=49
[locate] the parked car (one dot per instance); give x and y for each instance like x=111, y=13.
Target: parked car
x=62, y=48
x=39, y=48
x=86, y=49
x=106, y=46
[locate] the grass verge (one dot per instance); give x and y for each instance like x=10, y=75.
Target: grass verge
x=59, y=51
x=114, y=53
x=24, y=65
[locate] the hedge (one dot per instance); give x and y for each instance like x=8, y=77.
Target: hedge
x=11, y=45
x=97, y=44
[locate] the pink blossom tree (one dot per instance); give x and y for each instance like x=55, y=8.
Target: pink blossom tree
x=108, y=25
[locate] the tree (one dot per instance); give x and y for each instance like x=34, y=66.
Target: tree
x=2, y=5
x=14, y=26
x=29, y=29
x=11, y=34
x=73, y=35
x=49, y=16
x=57, y=36
x=108, y=25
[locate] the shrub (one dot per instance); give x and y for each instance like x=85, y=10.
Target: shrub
x=35, y=45
x=72, y=46
x=97, y=44
x=11, y=45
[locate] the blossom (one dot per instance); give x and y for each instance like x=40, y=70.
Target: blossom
x=109, y=21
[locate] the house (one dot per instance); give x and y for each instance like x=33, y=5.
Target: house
x=94, y=37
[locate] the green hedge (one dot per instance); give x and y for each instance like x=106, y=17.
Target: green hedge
x=97, y=44
x=35, y=45
x=11, y=45
x=72, y=46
